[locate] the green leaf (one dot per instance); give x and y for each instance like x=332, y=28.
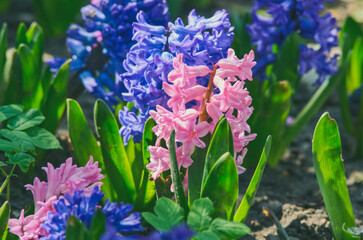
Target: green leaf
x=146, y=192
x=26, y=120
x=244, y=207
x=134, y=155
x=222, y=142
x=229, y=230
x=222, y=186
x=76, y=230
x=9, y=111
x=13, y=79
x=199, y=217
x=85, y=144
x=7, y=146
x=98, y=225
x=23, y=160
x=355, y=73
x=32, y=92
x=195, y=171
x=329, y=169
x=56, y=100
x=179, y=194
x=35, y=39
x=206, y=235
x=20, y=35
x=270, y=120
x=19, y=138
x=42, y=138
x=174, y=8
x=289, y=53
x=83, y=140
x=114, y=154
x=352, y=233
x=167, y=215
x=4, y=217
x=3, y=48
x=350, y=31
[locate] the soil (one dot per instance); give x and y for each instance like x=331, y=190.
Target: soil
x=290, y=190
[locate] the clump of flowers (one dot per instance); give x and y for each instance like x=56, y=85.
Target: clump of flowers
x=99, y=47
x=63, y=180
x=224, y=95
x=118, y=216
x=203, y=41
x=288, y=16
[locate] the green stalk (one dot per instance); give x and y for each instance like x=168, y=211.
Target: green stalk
x=308, y=112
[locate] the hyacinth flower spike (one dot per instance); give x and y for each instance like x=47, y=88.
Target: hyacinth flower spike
x=225, y=95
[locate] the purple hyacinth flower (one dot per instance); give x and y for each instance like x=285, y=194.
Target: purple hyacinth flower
x=284, y=18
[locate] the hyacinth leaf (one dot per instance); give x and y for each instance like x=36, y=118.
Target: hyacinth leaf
x=353, y=233
x=42, y=138
x=56, y=100
x=83, y=140
x=195, y=171
x=85, y=143
x=167, y=215
x=355, y=73
x=329, y=169
x=229, y=230
x=244, y=207
x=76, y=230
x=10, y=111
x=20, y=35
x=289, y=53
x=26, y=120
x=219, y=145
x=146, y=192
x=98, y=225
x=179, y=193
x=222, y=186
x=13, y=79
x=270, y=120
x=46, y=80
x=3, y=48
x=175, y=7
x=134, y=155
x=350, y=31
x=114, y=153
x=4, y=218
x=35, y=39
x=32, y=92
x=200, y=215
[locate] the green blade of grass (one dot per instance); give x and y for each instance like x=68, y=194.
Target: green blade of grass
x=329, y=169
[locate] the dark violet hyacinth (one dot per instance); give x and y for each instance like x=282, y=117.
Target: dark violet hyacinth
x=285, y=17
x=118, y=216
x=203, y=41
x=181, y=232
x=101, y=45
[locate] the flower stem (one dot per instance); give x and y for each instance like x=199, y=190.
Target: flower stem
x=203, y=112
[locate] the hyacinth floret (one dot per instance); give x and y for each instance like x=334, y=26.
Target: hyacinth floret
x=282, y=18
x=118, y=216
x=202, y=41
x=61, y=181
x=224, y=96
x=99, y=46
